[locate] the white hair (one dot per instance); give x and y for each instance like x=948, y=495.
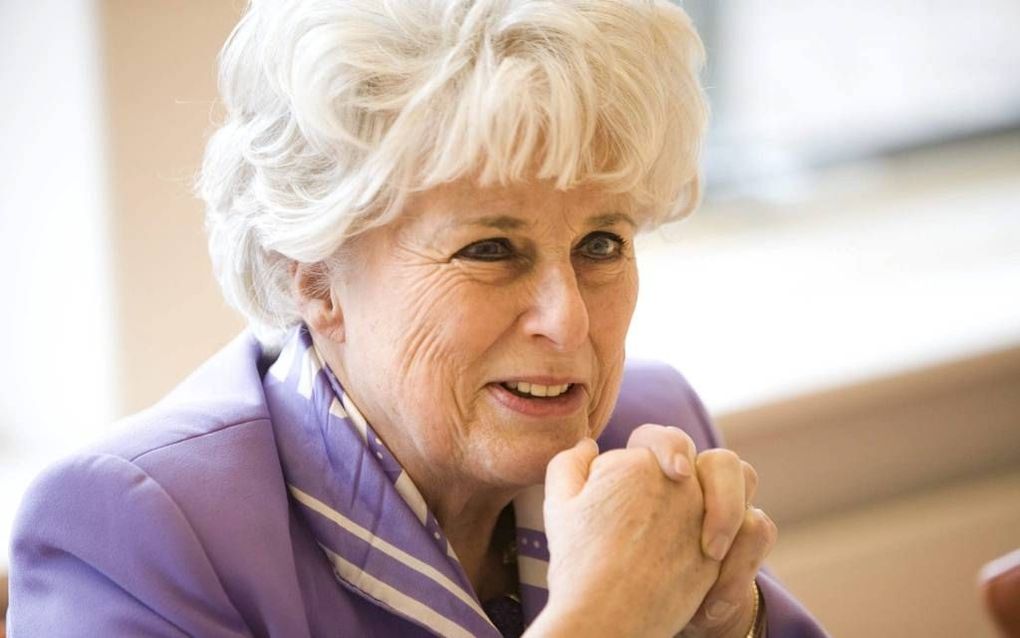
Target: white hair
x=339, y=109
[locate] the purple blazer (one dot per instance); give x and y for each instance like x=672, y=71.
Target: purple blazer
x=254, y=501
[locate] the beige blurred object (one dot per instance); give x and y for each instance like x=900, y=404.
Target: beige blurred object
x=884, y=438
x=890, y=495
x=160, y=61
x=1000, y=588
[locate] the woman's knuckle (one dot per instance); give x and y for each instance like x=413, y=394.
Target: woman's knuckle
x=754, y=528
x=647, y=434
x=749, y=471
x=646, y=464
x=768, y=527
x=630, y=461
x=719, y=457
x=644, y=429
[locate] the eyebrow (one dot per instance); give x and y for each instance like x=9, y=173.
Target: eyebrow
x=508, y=222
x=611, y=219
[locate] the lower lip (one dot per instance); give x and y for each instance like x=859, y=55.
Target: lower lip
x=563, y=405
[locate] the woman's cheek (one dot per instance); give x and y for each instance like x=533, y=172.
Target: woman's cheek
x=611, y=299
x=611, y=305
x=609, y=388
x=424, y=319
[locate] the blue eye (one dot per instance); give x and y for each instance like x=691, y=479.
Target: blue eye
x=602, y=246
x=487, y=250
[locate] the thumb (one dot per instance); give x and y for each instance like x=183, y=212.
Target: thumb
x=567, y=472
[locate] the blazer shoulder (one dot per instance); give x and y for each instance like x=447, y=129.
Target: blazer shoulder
x=202, y=517
x=220, y=473
x=77, y=495
x=204, y=458
x=654, y=392
x=95, y=527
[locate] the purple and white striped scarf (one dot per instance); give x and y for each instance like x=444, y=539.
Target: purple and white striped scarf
x=369, y=517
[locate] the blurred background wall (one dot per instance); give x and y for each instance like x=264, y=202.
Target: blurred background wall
x=847, y=301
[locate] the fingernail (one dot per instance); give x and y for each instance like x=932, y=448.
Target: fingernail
x=681, y=466
x=719, y=610
x=717, y=548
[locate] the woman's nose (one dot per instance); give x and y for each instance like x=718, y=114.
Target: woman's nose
x=558, y=312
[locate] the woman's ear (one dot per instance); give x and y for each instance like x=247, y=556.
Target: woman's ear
x=312, y=287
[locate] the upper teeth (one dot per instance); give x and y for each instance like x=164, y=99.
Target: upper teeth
x=536, y=390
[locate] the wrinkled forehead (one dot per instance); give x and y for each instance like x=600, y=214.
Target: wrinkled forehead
x=520, y=204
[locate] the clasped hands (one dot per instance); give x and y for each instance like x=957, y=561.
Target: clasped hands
x=652, y=540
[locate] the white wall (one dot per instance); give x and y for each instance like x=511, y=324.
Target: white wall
x=57, y=319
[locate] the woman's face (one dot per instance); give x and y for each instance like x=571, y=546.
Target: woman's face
x=452, y=312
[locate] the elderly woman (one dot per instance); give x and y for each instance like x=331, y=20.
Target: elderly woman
x=426, y=210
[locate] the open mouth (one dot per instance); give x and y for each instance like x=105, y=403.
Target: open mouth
x=538, y=400
x=535, y=390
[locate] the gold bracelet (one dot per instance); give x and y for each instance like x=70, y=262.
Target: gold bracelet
x=753, y=631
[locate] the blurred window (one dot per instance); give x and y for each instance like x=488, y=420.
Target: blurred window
x=799, y=83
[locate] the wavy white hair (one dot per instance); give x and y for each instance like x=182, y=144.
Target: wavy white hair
x=338, y=109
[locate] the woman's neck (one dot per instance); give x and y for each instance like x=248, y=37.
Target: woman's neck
x=480, y=528
x=483, y=546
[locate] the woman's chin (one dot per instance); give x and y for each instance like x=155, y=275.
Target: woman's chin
x=521, y=460
x=519, y=475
